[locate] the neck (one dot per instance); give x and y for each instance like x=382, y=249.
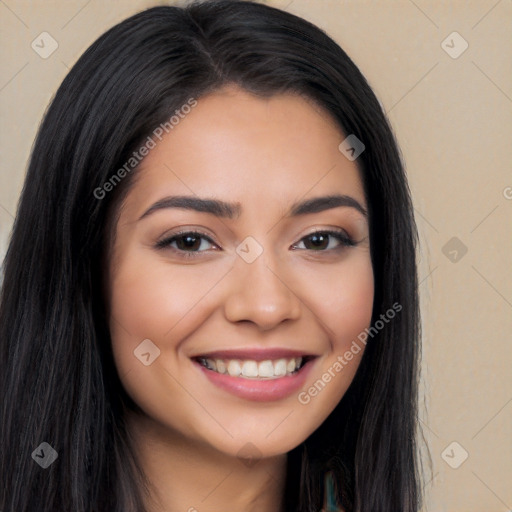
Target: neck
x=186, y=476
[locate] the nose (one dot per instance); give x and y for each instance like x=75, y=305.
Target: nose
x=260, y=294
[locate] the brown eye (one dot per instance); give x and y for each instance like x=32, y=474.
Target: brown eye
x=187, y=243
x=321, y=240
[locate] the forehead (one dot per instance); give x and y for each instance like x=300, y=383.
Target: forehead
x=240, y=147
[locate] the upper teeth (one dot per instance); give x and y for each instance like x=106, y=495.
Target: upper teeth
x=253, y=369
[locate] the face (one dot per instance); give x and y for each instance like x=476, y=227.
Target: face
x=272, y=282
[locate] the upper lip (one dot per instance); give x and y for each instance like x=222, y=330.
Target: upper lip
x=255, y=354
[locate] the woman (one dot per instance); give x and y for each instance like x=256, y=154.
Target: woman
x=271, y=366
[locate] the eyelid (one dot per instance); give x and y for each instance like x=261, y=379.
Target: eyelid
x=340, y=234
x=164, y=243
x=345, y=239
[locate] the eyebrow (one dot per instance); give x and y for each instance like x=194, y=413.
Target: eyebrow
x=224, y=209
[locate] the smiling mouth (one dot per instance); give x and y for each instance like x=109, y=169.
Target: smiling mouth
x=251, y=369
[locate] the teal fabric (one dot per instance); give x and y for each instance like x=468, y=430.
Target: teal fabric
x=331, y=504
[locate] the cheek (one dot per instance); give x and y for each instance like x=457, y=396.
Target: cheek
x=342, y=299
x=352, y=305
x=153, y=300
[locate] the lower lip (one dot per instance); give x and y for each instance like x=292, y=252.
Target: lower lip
x=259, y=390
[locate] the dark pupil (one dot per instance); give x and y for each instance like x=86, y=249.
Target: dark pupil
x=191, y=242
x=318, y=240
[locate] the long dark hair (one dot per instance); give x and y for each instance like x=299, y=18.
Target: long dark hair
x=59, y=384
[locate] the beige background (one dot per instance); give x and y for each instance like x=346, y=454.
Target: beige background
x=453, y=120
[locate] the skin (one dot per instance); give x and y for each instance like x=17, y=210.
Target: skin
x=265, y=154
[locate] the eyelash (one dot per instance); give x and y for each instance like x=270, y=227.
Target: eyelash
x=340, y=235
